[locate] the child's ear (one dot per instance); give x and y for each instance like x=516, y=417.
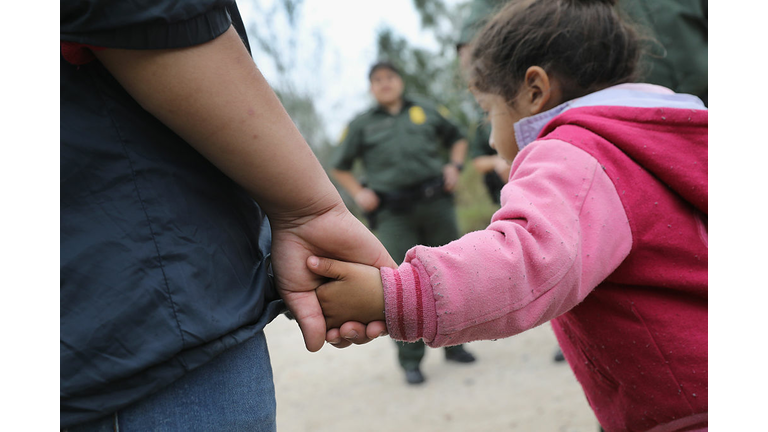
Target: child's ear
x=538, y=90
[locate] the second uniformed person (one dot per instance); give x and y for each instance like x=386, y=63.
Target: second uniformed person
x=485, y=160
x=402, y=143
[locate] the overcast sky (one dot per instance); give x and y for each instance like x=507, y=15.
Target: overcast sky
x=348, y=29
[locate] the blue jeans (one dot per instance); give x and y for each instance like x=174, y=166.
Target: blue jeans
x=232, y=392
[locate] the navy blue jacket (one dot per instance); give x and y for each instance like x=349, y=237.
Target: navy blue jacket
x=164, y=259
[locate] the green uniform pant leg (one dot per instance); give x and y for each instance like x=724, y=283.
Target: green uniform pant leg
x=440, y=216
x=437, y=220
x=430, y=223
x=399, y=232
x=410, y=354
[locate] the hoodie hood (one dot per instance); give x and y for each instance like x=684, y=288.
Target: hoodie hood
x=669, y=143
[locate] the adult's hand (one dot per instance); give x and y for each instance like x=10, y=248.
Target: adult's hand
x=367, y=200
x=450, y=177
x=502, y=168
x=451, y=171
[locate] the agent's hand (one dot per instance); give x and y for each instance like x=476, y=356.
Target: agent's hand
x=450, y=177
x=502, y=168
x=367, y=200
x=335, y=233
x=355, y=292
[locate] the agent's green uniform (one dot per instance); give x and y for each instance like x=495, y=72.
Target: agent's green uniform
x=480, y=145
x=403, y=156
x=680, y=26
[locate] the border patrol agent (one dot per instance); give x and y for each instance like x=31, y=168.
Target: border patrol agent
x=408, y=196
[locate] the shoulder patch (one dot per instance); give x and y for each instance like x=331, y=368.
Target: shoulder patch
x=417, y=115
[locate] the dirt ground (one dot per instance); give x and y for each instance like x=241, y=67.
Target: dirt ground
x=513, y=386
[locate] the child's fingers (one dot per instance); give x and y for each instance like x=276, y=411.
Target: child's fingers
x=327, y=267
x=375, y=329
x=333, y=337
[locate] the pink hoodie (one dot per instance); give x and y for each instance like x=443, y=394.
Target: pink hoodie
x=569, y=223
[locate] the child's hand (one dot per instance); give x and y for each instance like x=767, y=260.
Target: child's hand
x=354, y=294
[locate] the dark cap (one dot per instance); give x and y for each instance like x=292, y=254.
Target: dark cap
x=383, y=65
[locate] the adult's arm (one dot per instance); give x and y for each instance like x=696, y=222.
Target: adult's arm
x=214, y=97
x=451, y=171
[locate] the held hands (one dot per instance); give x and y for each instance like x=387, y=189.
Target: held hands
x=333, y=232
x=355, y=292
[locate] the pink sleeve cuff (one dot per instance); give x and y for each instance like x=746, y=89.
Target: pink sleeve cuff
x=408, y=303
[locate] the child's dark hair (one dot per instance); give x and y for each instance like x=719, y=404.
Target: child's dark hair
x=383, y=65
x=584, y=44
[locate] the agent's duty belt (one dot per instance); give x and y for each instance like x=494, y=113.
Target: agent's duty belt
x=403, y=200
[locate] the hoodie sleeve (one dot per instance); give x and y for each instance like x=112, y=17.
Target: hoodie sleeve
x=561, y=230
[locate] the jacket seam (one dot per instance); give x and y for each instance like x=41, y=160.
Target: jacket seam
x=144, y=210
x=655, y=345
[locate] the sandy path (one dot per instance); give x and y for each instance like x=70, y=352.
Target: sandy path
x=514, y=386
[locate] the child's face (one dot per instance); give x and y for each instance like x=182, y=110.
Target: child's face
x=502, y=117
x=386, y=86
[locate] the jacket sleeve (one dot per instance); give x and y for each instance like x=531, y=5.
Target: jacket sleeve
x=348, y=149
x=147, y=24
x=560, y=231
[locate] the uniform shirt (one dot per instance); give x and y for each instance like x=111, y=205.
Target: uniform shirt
x=678, y=58
x=398, y=151
x=164, y=259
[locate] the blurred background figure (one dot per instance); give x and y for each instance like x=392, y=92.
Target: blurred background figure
x=676, y=51
x=485, y=160
x=402, y=143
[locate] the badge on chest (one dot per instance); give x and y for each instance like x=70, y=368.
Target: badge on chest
x=417, y=115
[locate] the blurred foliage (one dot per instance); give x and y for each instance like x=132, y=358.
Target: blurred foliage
x=269, y=38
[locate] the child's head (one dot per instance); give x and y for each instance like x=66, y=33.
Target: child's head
x=584, y=44
x=536, y=54
x=386, y=83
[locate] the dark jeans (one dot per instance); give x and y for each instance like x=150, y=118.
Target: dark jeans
x=232, y=392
